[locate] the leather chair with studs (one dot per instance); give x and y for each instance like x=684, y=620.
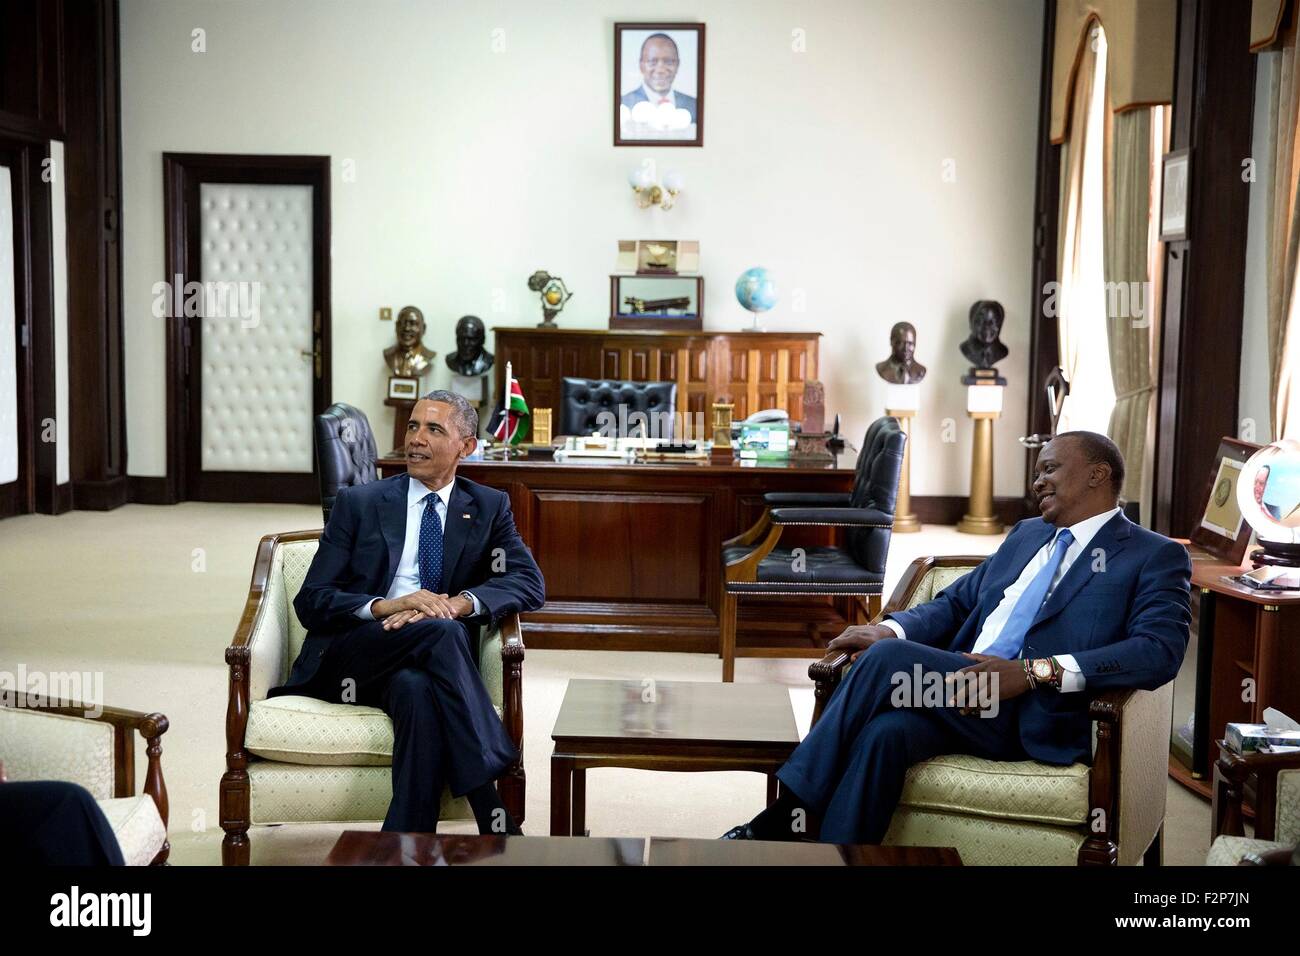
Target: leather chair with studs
x=752, y=564
x=346, y=454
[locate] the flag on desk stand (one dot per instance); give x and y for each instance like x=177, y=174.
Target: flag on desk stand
x=513, y=416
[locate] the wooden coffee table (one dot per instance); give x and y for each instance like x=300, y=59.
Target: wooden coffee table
x=664, y=725
x=377, y=848
x=674, y=852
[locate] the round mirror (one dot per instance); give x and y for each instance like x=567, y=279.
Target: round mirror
x=1268, y=492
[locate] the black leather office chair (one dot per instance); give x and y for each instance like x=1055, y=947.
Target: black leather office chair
x=584, y=400
x=753, y=564
x=345, y=452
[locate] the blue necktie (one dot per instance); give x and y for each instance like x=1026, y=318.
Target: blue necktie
x=1008, y=643
x=430, y=546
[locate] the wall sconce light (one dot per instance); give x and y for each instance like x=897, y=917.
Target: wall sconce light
x=650, y=193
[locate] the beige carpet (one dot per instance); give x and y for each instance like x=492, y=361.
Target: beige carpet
x=150, y=597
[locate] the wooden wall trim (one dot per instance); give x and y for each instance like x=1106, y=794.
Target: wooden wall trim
x=1200, y=360
x=1044, y=347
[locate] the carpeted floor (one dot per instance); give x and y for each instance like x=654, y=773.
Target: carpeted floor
x=150, y=597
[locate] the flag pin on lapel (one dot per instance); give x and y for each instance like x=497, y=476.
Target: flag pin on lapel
x=466, y=515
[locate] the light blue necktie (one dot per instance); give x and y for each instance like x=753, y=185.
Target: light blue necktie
x=430, y=546
x=1012, y=639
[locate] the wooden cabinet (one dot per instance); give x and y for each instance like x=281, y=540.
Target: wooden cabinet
x=754, y=370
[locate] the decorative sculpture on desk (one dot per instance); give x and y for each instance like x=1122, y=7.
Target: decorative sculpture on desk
x=470, y=357
x=554, y=294
x=409, y=357
x=901, y=368
x=983, y=348
x=810, y=440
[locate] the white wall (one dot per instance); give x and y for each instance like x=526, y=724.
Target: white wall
x=1253, y=404
x=481, y=142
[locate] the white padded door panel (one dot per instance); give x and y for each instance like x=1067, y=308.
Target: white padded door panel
x=8, y=337
x=257, y=382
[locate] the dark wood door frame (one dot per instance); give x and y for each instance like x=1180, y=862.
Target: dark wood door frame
x=1044, y=346
x=182, y=175
x=38, y=488
x=1200, y=354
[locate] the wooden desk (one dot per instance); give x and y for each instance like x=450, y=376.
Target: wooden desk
x=1248, y=657
x=632, y=554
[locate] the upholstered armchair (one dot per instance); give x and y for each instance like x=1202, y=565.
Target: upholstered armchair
x=1276, y=779
x=345, y=452
x=752, y=562
x=585, y=400
x=95, y=748
x=1025, y=812
x=301, y=760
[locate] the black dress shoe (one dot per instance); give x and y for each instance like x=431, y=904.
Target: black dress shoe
x=742, y=832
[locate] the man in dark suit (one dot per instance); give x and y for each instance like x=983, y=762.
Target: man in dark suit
x=409, y=568
x=1079, y=599
x=659, y=64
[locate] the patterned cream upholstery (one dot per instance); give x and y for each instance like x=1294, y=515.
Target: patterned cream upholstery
x=38, y=745
x=293, y=793
x=1026, y=812
x=935, y=580
x=984, y=841
x=319, y=761
x=1288, y=806
x=1019, y=790
x=138, y=827
x=1228, y=850
x=305, y=730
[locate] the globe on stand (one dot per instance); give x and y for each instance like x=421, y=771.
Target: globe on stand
x=756, y=292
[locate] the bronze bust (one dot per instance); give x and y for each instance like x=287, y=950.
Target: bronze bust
x=470, y=358
x=983, y=349
x=900, y=368
x=409, y=357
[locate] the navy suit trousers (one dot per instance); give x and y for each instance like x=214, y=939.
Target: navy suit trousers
x=445, y=730
x=851, y=766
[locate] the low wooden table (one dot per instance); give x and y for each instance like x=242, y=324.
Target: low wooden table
x=376, y=848
x=664, y=725
x=674, y=852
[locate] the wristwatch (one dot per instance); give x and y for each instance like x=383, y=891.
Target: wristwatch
x=1043, y=670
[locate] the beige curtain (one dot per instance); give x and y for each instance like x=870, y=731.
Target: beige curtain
x=1070, y=251
x=1284, y=243
x=1130, y=303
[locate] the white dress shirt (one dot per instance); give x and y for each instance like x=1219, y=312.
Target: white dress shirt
x=654, y=97
x=1072, y=679
x=407, y=579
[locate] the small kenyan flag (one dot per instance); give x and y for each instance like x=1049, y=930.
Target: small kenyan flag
x=513, y=415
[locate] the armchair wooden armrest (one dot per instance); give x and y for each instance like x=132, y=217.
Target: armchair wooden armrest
x=1102, y=846
x=125, y=723
x=512, y=664
x=1232, y=771
x=827, y=672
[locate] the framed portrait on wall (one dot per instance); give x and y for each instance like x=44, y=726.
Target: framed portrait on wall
x=659, y=84
x=1173, y=196
x=1222, y=530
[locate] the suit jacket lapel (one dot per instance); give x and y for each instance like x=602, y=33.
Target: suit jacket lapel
x=461, y=512
x=392, y=521
x=1111, y=539
x=997, y=588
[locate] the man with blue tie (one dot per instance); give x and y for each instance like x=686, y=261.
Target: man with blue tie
x=407, y=571
x=1078, y=600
